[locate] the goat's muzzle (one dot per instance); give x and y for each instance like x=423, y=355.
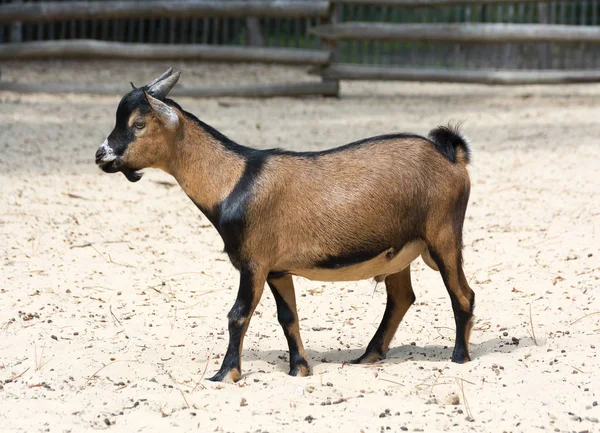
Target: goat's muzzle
x=110, y=163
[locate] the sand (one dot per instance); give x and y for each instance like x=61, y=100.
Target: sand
x=113, y=296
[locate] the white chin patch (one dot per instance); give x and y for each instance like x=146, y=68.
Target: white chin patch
x=109, y=155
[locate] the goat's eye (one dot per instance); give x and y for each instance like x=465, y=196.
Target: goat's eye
x=139, y=125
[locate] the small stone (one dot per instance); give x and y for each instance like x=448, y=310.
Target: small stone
x=404, y=428
x=309, y=418
x=54, y=337
x=595, y=403
x=515, y=341
x=107, y=421
x=382, y=415
x=454, y=399
x=243, y=402
x=505, y=334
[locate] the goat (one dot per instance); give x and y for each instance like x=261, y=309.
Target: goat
x=363, y=210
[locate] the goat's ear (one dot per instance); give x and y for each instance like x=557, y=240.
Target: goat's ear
x=164, y=113
x=161, y=88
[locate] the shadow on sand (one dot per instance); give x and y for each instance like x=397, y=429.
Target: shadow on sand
x=396, y=355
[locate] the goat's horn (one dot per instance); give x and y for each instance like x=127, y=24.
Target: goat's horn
x=161, y=77
x=132, y=86
x=162, y=88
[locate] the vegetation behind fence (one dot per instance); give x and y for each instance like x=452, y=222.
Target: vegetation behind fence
x=293, y=33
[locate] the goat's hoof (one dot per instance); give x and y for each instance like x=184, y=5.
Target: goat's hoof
x=229, y=376
x=368, y=358
x=461, y=358
x=300, y=370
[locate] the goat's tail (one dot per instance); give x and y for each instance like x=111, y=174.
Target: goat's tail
x=451, y=143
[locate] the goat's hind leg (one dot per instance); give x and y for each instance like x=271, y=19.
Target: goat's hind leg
x=447, y=254
x=285, y=298
x=400, y=297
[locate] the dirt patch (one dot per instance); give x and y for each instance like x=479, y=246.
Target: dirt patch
x=114, y=295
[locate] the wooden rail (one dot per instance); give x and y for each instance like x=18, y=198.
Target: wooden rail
x=95, y=10
x=81, y=48
x=473, y=33
x=436, y=3
x=359, y=72
x=241, y=91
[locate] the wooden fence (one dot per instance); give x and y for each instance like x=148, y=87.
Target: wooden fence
x=470, y=41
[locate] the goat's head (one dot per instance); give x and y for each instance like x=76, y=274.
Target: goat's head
x=145, y=128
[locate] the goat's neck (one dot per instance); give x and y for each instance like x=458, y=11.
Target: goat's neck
x=204, y=167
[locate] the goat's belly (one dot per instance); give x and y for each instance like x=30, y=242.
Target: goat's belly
x=386, y=263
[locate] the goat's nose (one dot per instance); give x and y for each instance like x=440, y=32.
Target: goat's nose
x=100, y=153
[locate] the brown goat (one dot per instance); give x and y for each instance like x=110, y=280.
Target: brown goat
x=364, y=210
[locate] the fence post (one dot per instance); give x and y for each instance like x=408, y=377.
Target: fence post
x=330, y=45
x=16, y=33
x=545, y=51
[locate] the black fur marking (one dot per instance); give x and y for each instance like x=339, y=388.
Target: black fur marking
x=122, y=135
x=248, y=152
x=286, y=318
x=238, y=316
x=316, y=154
x=446, y=139
x=348, y=259
x=211, y=214
x=232, y=210
x=461, y=317
x=274, y=275
x=375, y=346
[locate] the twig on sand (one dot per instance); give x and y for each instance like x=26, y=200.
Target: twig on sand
x=104, y=366
x=184, y=399
x=12, y=379
x=199, y=383
x=179, y=389
x=68, y=194
x=437, y=378
x=39, y=364
x=581, y=318
x=110, y=260
x=461, y=385
x=532, y=328
x=89, y=244
x=113, y=315
x=391, y=381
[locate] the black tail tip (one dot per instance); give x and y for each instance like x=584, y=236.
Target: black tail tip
x=447, y=139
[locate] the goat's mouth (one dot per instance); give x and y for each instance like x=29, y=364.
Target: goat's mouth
x=131, y=174
x=108, y=166
x=113, y=166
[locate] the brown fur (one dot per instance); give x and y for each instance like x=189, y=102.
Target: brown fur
x=399, y=197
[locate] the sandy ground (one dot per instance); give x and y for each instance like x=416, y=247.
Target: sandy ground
x=113, y=296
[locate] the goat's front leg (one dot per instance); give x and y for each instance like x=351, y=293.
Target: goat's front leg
x=283, y=291
x=252, y=283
